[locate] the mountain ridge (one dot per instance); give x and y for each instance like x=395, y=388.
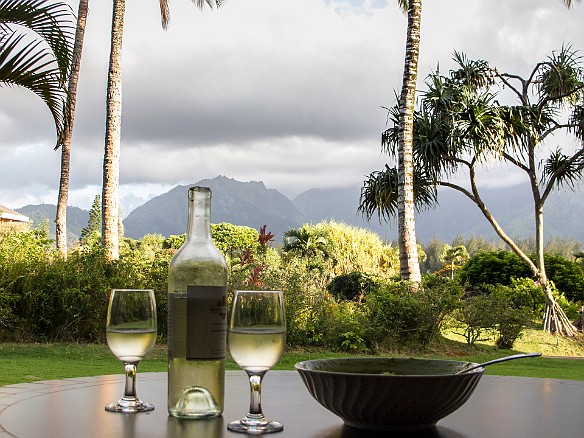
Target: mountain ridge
x=253, y=204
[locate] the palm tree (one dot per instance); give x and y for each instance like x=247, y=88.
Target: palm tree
x=31, y=64
x=61, y=218
x=408, y=252
x=453, y=257
x=404, y=178
x=111, y=161
x=309, y=244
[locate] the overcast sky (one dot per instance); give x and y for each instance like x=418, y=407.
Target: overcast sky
x=285, y=92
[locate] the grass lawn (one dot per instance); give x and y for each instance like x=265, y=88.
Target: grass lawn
x=21, y=363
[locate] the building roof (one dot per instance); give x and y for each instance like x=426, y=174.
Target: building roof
x=9, y=215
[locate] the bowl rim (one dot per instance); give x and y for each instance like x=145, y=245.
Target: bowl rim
x=299, y=366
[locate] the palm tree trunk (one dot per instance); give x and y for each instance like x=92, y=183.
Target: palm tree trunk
x=111, y=160
x=61, y=219
x=408, y=251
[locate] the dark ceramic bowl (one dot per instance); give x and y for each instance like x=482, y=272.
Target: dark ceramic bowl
x=389, y=393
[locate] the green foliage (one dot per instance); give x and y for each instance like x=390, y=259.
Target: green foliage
x=356, y=249
x=502, y=310
x=476, y=313
x=234, y=238
x=525, y=293
x=567, y=276
x=514, y=309
x=345, y=327
x=353, y=286
x=501, y=267
x=93, y=227
x=396, y=314
x=44, y=297
x=493, y=267
x=173, y=242
x=314, y=246
x=433, y=250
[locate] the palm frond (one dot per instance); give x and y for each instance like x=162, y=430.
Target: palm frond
x=577, y=122
x=389, y=137
x=560, y=78
x=432, y=148
x=379, y=193
x=563, y=170
x=212, y=3
x=32, y=66
x=52, y=21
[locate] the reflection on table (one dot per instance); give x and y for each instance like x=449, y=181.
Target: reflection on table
x=500, y=407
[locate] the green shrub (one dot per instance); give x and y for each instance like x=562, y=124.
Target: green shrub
x=567, y=275
x=353, y=286
x=345, y=327
x=477, y=314
x=398, y=315
x=515, y=308
x=501, y=310
x=493, y=267
x=525, y=293
x=234, y=238
x=501, y=267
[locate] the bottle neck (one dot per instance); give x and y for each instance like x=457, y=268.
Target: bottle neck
x=199, y=227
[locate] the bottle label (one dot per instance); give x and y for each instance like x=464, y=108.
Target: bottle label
x=206, y=322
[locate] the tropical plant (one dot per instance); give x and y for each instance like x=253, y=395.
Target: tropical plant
x=310, y=244
x=461, y=125
x=39, y=57
x=454, y=257
x=356, y=249
x=516, y=134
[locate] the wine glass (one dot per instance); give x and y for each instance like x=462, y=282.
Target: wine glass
x=131, y=334
x=256, y=337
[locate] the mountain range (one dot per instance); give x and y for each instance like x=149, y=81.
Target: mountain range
x=253, y=204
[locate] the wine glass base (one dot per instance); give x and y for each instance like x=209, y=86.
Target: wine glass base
x=129, y=407
x=255, y=429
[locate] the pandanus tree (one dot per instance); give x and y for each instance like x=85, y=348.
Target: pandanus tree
x=36, y=50
x=111, y=161
x=461, y=125
x=405, y=206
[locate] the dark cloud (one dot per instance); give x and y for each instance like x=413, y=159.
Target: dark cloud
x=289, y=93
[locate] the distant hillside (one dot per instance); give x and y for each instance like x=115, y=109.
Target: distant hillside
x=456, y=215
x=240, y=203
x=253, y=205
x=76, y=219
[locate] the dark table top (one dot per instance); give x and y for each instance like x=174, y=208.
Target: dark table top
x=512, y=407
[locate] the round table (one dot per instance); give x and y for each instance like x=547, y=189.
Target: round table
x=514, y=407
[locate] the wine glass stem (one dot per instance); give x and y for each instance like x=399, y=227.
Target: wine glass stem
x=255, y=401
x=130, y=389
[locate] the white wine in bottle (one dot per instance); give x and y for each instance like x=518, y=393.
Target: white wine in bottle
x=197, y=318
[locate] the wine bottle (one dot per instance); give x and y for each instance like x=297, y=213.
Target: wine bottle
x=197, y=318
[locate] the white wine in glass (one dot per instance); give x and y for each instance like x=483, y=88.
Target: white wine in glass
x=131, y=334
x=256, y=338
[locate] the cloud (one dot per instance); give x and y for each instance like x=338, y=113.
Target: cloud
x=289, y=93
